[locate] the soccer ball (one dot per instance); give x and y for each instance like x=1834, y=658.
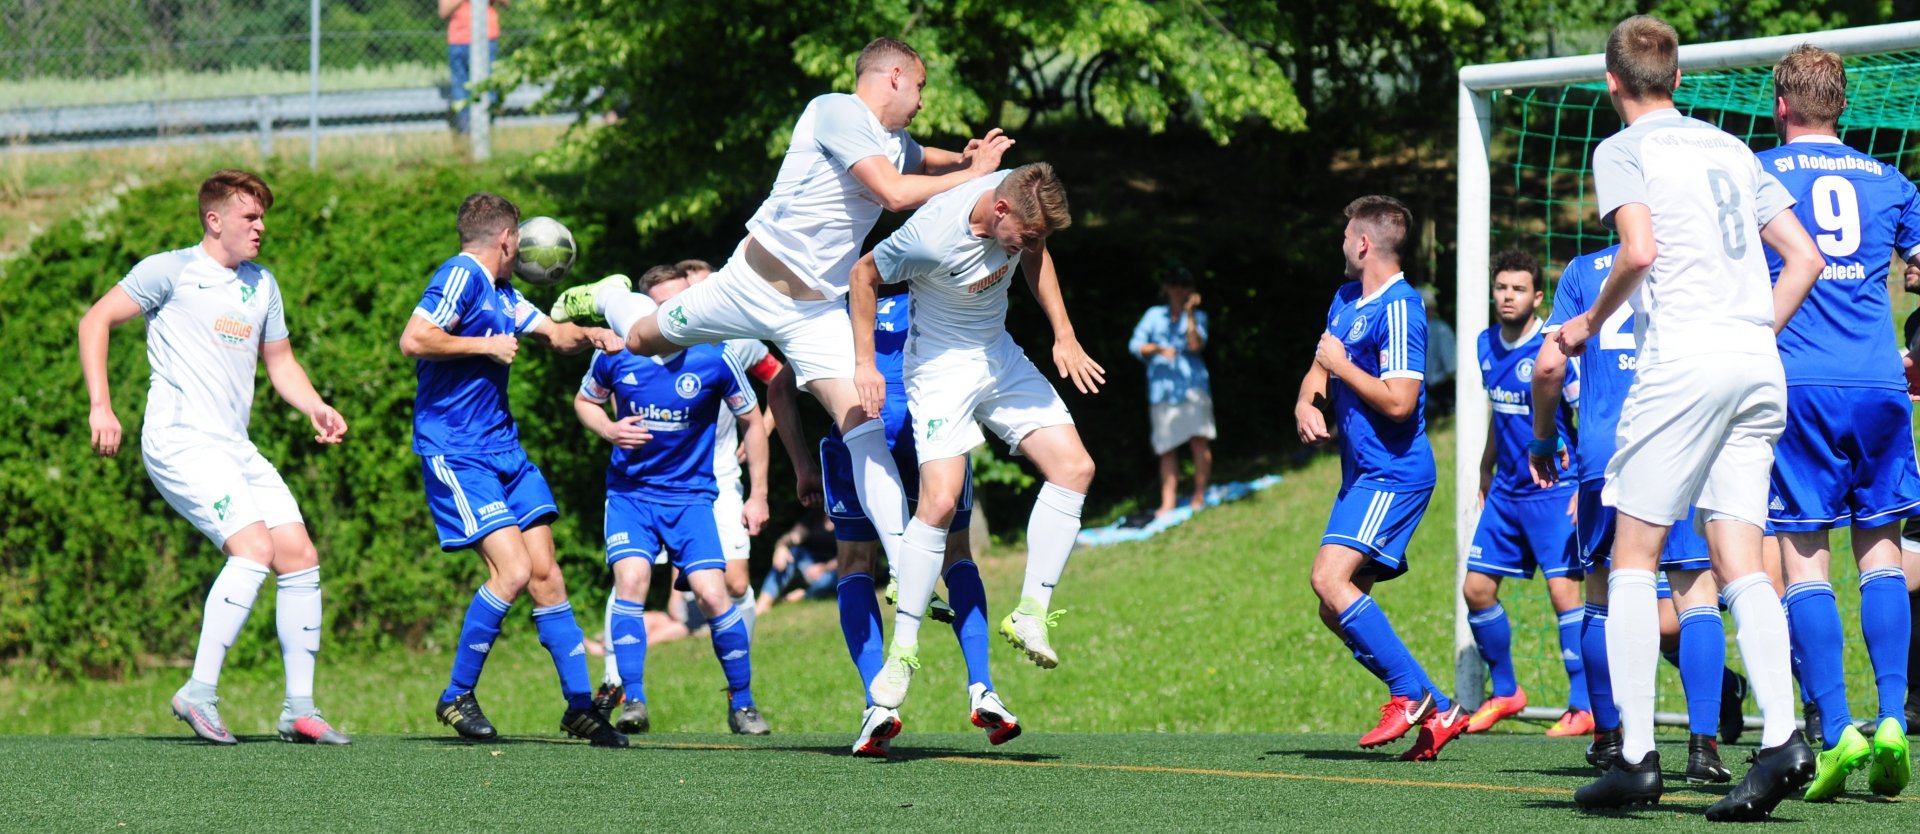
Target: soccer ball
x=546, y=251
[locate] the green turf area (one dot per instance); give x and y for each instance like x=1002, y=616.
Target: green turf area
x=952, y=782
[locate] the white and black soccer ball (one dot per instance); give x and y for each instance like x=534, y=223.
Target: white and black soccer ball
x=546, y=251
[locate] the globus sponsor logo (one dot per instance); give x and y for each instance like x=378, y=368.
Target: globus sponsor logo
x=232, y=330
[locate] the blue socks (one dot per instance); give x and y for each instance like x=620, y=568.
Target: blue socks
x=1494, y=636
x=629, y=636
x=1817, y=643
x=860, y=624
x=730, y=645
x=969, y=600
x=1703, y=663
x=561, y=636
x=1570, y=626
x=1367, y=626
x=1887, y=623
x=1593, y=648
x=1365, y=660
x=477, y=633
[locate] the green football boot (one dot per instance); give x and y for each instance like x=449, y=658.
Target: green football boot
x=1892, y=764
x=1831, y=767
x=1026, y=628
x=582, y=303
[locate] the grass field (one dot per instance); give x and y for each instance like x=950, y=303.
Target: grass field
x=1195, y=692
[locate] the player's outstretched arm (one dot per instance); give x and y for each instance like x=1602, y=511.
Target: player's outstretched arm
x=425, y=340
x=1549, y=374
x=863, y=301
x=112, y=310
x=905, y=192
x=626, y=433
x=783, y=399
x=567, y=337
x=1069, y=358
x=754, y=514
x=1800, y=267
x=289, y=378
x=1310, y=421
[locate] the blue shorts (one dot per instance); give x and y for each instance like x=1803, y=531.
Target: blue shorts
x=1518, y=534
x=850, y=522
x=1685, y=549
x=639, y=529
x=473, y=495
x=1378, y=523
x=1846, y=458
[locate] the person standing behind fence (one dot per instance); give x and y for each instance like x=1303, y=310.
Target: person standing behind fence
x=459, y=17
x=1169, y=339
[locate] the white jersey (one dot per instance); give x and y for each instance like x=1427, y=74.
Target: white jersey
x=959, y=280
x=205, y=325
x=745, y=353
x=818, y=214
x=1709, y=290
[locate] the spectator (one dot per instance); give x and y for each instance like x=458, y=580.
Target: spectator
x=806, y=558
x=459, y=17
x=1169, y=339
x=1440, y=354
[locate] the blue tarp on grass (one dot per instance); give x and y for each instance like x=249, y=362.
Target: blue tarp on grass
x=1217, y=494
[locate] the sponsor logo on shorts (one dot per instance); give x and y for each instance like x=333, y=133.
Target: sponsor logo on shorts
x=493, y=509
x=618, y=539
x=221, y=506
x=1359, y=327
x=1777, y=505
x=934, y=426
x=678, y=314
x=231, y=330
x=839, y=507
x=687, y=386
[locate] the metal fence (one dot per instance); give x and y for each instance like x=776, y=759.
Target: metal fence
x=121, y=72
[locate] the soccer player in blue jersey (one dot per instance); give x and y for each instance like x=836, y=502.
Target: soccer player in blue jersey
x=661, y=491
x=859, y=544
x=481, y=489
x=1847, y=455
x=1523, y=526
x=1369, y=365
x=1605, y=372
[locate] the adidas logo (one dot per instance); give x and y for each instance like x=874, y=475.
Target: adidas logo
x=736, y=654
x=1776, y=505
x=629, y=380
x=839, y=507
x=628, y=641
x=578, y=649
x=1569, y=654
x=482, y=648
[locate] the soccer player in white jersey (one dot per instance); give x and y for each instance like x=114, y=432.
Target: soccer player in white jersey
x=963, y=369
x=1847, y=455
x=850, y=158
x=1692, y=206
x=212, y=315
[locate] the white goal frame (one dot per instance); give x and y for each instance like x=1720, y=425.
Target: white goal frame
x=1474, y=233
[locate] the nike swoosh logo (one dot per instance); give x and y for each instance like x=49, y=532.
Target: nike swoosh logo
x=208, y=286
x=229, y=601
x=310, y=628
x=1046, y=584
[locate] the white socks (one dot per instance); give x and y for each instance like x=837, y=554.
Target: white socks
x=228, y=603
x=917, y=568
x=611, y=675
x=744, y=603
x=877, y=480
x=297, y=612
x=1760, y=627
x=1051, y=532
x=1633, y=651
x=624, y=310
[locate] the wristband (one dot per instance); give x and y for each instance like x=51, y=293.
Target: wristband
x=1545, y=448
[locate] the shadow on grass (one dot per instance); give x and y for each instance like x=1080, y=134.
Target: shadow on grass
x=909, y=754
x=1335, y=755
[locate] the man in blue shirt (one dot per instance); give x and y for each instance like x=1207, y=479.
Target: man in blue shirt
x=1847, y=454
x=1169, y=339
x=1523, y=526
x=481, y=489
x=1369, y=366
x=661, y=491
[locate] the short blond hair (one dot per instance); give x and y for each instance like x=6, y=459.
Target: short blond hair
x=1814, y=83
x=216, y=190
x=1037, y=197
x=1643, y=53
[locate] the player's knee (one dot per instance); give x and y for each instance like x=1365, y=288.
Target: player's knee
x=1479, y=591
x=1328, y=582
x=512, y=579
x=1078, y=474
x=294, y=557
x=736, y=582
x=936, y=509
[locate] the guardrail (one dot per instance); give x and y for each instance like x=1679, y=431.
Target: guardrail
x=189, y=120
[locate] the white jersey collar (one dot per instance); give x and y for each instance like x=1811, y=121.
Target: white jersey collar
x=1654, y=115
x=483, y=267
x=1397, y=278
x=1816, y=139
x=1533, y=326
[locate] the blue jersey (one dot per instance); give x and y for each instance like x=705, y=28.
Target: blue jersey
x=678, y=401
x=1605, y=369
x=460, y=405
x=1507, y=373
x=1386, y=337
x=1858, y=210
x=892, y=316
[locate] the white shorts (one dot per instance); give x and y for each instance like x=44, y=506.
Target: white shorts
x=736, y=303
x=219, y=485
x=1698, y=431
x=726, y=515
x=1176, y=423
x=953, y=393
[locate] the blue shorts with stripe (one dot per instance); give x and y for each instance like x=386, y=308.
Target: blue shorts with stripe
x=1846, y=458
x=1518, y=534
x=473, y=495
x=1685, y=549
x=1378, y=523
x=640, y=529
x=850, y=522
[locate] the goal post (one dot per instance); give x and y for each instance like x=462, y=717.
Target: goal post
x=1561, y=110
